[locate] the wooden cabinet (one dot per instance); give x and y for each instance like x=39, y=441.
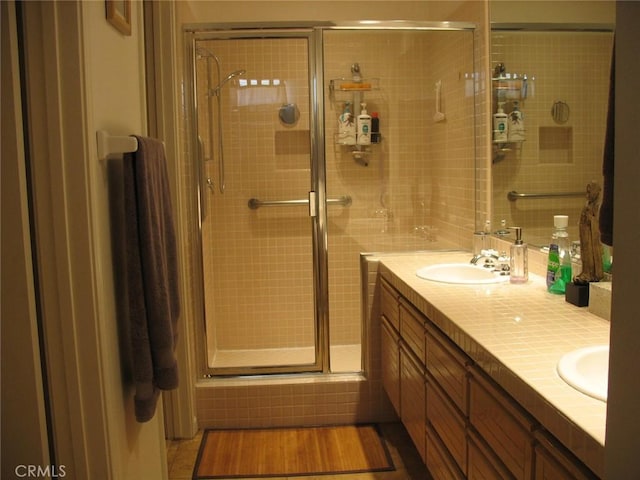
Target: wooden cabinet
x=553, y=461
x=390, y=304
x=447, y=364
x=390, y=357
x=438, y=459
x=462, y=422
x=412, y=397
x=412, y=329
x=448, y=423
x=505, y=427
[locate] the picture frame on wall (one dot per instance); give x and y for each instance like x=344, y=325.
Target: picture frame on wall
x=119, y=15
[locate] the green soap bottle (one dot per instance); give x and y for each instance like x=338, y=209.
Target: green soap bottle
x=559, y=260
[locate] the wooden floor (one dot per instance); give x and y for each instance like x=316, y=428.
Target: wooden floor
x=181, y=456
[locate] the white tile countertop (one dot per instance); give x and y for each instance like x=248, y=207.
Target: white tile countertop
x=516, y=334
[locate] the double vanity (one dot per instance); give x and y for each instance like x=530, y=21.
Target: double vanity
x=491, y=379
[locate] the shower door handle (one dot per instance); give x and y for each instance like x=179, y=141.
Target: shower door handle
x=312, y=204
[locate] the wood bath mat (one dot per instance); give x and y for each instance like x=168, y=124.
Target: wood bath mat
x=291, y=451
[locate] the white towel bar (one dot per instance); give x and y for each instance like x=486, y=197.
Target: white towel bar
x=111, y=144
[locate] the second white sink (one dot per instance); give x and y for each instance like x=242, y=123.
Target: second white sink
x=461, y=273
x=587, y=370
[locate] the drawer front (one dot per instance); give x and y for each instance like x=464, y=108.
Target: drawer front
x=554, y=461
x=448, y=366
x=391, y=363
x=389, y=304
x=499, y=422
x=483, y=465
x=412, y=329
x=412, y=398
x=439, y=462
x=448, y=423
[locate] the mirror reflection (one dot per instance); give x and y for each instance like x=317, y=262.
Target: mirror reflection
x=551, y=86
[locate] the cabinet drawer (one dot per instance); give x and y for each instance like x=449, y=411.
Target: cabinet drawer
x=483, y=464
x=389, y=300
x=503, y=425
x=448, y=423
x=448, y=366
x=438, y=459
x=553, y=461
x=390, y=357
x=412, y=398
x=412, y=329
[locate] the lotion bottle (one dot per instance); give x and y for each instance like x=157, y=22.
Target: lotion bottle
x=518, y=260
x=363, y=126
x=500, y=126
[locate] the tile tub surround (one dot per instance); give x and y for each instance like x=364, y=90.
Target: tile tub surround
x=516, y=334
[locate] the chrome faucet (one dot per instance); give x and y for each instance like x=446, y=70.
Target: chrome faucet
x=489, y=258
x=492, y=260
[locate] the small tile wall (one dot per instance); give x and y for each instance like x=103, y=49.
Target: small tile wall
x=572, y=67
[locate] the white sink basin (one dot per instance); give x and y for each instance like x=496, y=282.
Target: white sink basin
x=587, y=370
x=462, y=273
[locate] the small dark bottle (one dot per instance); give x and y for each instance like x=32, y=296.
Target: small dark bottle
x=375, y=128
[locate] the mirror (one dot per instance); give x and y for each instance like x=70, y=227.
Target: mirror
x=555, y=76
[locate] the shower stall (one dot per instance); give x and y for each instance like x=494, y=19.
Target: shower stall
x=287, y=210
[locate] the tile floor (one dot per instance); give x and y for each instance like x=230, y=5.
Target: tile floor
x=181, y=457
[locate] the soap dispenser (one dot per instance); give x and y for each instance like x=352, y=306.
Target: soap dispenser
x=518, y=263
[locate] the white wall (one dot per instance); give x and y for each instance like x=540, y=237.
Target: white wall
x=83, y=75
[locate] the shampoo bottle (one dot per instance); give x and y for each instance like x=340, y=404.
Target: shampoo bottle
x=518, y=260
x=500, y=126
x=363, y=126
x=346, y=126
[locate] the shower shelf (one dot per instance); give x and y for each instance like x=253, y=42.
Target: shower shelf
x=349, y=85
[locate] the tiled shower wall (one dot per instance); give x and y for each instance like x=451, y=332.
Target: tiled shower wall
x=572, y=67
x=417, y=191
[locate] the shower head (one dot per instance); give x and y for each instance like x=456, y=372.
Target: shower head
x=215, y=90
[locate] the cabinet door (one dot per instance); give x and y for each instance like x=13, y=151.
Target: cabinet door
x=447, y=364
x=503, y=426
x=389, y=304
x=447, y=422
x=483, y=465
x=390, y=357
x=412, y=328
x=412, y=398
x=553, y=461
x=439, y=461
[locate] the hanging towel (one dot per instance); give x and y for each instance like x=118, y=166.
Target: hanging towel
x=152, y=274
x=606, y=209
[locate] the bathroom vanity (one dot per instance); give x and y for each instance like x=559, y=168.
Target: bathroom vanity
x=471, y=372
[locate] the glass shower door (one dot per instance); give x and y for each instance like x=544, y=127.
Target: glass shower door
x=254, y=122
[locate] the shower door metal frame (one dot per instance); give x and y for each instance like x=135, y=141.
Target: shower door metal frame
x=314, y=32
x=317, y=185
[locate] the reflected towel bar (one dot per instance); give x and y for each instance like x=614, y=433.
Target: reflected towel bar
x=513, y=195
x=254, y=203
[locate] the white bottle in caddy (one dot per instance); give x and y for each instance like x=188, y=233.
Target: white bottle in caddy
x=363, y=126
